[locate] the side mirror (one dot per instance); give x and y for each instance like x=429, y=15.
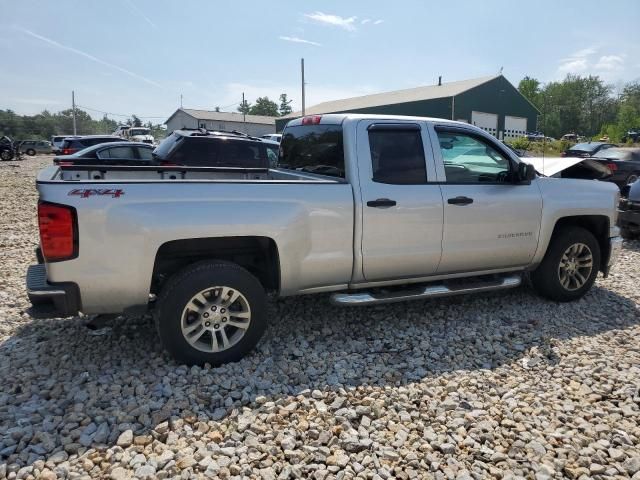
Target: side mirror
x=526, y=172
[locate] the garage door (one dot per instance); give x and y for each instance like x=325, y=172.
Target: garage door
x=486, y=121
x=514, y=127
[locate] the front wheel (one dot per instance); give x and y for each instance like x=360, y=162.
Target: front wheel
x=569, y=267
x=631, y=179
x=211, y=312
x=31, y=152
x=6, y=155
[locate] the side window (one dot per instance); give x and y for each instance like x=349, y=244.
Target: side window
x=397, y=156
x=117, y=152
x=145, y=153
x=196, y=152
x=468, y=159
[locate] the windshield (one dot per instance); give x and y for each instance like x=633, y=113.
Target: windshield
x=139, y=131
x=585, y=147
x=314, y=149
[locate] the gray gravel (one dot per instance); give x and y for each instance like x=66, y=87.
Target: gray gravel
x=504, y=386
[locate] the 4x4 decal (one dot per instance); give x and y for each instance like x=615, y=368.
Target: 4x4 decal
x=88, y=192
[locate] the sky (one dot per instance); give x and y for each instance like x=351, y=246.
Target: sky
x=139, y=56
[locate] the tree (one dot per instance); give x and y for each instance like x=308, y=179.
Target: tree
x=530, y=88
x=245, y=107
x=285, y=105
x=217, y=109
x=265, y=107
x=135, y=121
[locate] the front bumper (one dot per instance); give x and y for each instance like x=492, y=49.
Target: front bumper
x=63, y=298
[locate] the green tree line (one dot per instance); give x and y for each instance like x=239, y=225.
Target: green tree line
x=265, y=106
x=583, y=105
x=46, y=124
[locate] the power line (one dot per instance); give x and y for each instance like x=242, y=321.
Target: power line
x=118, y=114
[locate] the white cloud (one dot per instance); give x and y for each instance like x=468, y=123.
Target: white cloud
x=610, y=62
x=365, y=21
x=378, y=22
x=587, y=61
x=333, y=20
x=299, y=40
x=87, y=55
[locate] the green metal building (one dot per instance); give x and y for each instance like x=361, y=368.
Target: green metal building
x=491, y=103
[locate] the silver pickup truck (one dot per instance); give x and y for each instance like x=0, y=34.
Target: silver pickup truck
x=370, y=208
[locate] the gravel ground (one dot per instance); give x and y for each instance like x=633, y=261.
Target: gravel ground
x=503, y=386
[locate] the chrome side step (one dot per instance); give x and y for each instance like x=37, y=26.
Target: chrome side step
x=426, y=291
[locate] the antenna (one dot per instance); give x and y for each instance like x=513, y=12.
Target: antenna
x=73, y=106
x=302, y=72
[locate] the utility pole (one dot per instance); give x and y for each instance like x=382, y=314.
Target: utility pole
x=180, y=100
x=244, y=114
x=73, y=107
x=302, y=71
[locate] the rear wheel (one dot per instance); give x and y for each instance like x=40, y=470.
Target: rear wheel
x=6, y=155
x=631, y=178
x=569, y=267
x=211, y=312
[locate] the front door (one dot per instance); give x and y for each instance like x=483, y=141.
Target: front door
x=402, y=212
x=490, y=222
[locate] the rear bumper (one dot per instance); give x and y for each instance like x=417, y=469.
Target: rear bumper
x=63, y=297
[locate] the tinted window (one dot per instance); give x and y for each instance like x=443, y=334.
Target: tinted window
x=167, y=145
x=195, y=151
x=145, y=153
x=241, y=154
x=314, y=149
x=585, y=147
x=468, y=159
x=117, y=152
x=397, y=156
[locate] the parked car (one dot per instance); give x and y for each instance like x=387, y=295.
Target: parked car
x=205, y=148
x=275, y=137
x=624, y=164
x=588, y=149
x=569, y=137
x=9, y=150
x=110, y=153
x=629, y=215
x=71, y=145
x=56, y=143
x=415, y=208
x=31, y=147
x=633, y=135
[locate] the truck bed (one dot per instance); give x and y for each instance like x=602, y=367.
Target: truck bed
x=142, y=174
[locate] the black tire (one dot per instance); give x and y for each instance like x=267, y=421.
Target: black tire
x=546, y=278
x=631, y=178
x=627, y=234
x=179, y=291
x=31, y=152
x=6, y=155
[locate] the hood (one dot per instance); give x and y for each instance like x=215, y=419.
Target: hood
x=569, y=167
x=142, y=137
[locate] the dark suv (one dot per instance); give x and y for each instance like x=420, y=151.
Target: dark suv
x=203, y=148
x=71, y=145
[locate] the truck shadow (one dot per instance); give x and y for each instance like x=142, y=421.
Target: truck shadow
x=121, y=376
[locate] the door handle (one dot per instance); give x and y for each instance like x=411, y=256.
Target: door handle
x=381, y=203
x=460, y=201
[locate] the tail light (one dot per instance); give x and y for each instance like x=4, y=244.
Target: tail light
x=58, y=226
x=69, y=151
x=311, y=120
x=612, y=166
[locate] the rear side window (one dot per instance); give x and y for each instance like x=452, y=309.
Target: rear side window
x=314, y=149
x=196, y=152
x=145, y=153
x=117, y=152
x=241, y=154
x=397, y=156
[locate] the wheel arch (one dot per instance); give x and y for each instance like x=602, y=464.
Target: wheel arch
x=258, y=255
x=598, y=225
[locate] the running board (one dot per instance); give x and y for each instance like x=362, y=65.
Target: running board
x=429, y=291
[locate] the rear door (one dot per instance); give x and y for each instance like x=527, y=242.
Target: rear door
x=402, y=212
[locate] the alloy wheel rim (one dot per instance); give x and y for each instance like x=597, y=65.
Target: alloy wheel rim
x=215, y=319
x=575, y=266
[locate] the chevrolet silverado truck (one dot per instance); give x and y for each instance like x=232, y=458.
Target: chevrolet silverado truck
x=370, y=208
